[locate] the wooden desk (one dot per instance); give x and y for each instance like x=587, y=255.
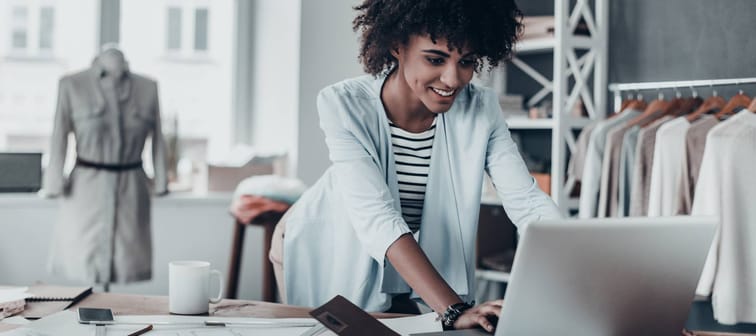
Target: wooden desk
x=125, y=304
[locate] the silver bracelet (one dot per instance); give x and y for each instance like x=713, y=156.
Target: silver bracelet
x=453, y=312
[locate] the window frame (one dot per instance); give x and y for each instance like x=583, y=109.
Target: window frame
x=169, y=29
x=31, y=27
x=187, y=51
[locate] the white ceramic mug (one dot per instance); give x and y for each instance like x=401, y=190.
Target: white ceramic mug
x=189, y=287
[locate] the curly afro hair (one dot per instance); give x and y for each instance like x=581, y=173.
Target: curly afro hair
x=488, y=28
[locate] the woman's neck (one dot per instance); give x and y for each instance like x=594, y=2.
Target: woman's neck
x=402, y=107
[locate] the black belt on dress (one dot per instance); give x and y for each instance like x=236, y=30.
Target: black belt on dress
x=109, y=166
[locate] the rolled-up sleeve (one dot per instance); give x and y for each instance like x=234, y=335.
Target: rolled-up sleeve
x=160, y=178
x=54, y=179
x=367, y=201
x=523, y=201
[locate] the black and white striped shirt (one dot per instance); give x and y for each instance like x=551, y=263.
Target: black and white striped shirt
x=412, y=153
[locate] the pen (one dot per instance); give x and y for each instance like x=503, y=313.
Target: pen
x=141, y=331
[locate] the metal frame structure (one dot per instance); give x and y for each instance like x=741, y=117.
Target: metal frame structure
x=590, y=68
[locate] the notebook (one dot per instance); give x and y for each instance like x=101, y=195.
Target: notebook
x=50, y=299
x=57, y=293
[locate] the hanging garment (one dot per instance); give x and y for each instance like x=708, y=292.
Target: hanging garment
x=665, y=171
x=590, y=182
x=644, y=159
x=627, y=161
x=695, y=141
x=726, y=189
x=103, y=233
x=610, y=170
x=577, y=161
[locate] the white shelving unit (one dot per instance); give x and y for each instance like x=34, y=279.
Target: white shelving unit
x=569, y=82
x=546, y=123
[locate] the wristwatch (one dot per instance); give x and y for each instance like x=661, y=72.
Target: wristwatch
x=453, y=312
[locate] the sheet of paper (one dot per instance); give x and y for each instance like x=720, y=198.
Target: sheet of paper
x=8, y=294
x=414, y=324
x=17, y=320
x=66, y=324
x=200, y=320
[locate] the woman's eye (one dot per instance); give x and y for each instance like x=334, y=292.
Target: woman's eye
x=436, y=61
x=466, y=62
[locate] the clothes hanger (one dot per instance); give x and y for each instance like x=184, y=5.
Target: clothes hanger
x=638, y=103
x=635, y=102
x=675, y=105
x=737, y=101
x=673, y=108
x=752, y=107
x=689, y=105
x=695, y=102
x=714, y=102
x=656, y=109
x=626, y=101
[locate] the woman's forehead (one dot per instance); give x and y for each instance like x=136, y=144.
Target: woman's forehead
x=422, y=42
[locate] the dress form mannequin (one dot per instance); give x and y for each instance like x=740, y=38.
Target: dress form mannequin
x=103, y=233
x=113, y=62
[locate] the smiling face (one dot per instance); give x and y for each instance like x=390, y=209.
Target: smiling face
x=434, y=74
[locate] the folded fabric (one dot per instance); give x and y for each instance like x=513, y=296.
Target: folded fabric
x=247, y=208
x=273, y=187
x=257, y=195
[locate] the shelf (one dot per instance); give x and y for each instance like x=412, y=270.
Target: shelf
x=490, y=200
x=545, y=123
x=492, y=275
x=547, y=44
x=572, y=203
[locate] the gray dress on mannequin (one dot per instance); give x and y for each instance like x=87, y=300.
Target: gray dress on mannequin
x=102, y=234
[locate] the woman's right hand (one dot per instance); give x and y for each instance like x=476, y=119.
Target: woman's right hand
x=480, y=316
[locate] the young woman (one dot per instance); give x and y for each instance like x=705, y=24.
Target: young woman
x=394, y=219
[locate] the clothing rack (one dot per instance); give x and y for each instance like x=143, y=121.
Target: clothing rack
x=618, y=88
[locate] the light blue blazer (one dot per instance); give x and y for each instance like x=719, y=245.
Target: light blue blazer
x=338, y=233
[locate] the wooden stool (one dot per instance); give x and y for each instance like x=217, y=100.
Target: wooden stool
x=268, y=220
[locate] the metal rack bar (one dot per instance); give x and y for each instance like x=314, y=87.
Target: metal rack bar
x=679, y=84
x=617, y=89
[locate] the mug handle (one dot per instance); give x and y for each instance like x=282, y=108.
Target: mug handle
x=220, y=286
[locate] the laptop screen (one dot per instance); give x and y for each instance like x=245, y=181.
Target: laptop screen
x=20, y=172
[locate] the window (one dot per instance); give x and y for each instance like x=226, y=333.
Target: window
x=32, y=61
x=173, y=30
x=32, y=30
x=200, y=29
x=187, y=47
x=192, y=61
x=187, y=38
x=19, y=27
x=46, y=28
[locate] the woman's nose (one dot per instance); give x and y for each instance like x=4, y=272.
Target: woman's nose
x=450, y=76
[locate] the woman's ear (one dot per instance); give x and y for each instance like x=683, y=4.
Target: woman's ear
x=395, y=52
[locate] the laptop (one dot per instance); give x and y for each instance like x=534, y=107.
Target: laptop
x=20, y=172
x=598, y=277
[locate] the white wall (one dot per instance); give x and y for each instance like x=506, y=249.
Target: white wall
x=29, y=81
x=198, y=229
x=275, y=70
x=194, y=85
x=328, y=54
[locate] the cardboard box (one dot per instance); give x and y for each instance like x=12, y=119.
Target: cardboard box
x=544, y=182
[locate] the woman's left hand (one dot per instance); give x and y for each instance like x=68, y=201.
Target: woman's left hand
x=479, y=316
